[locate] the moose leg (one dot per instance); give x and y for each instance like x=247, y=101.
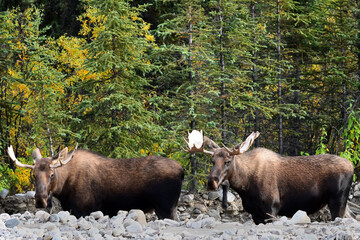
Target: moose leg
x=337, y=203
x=225, y=187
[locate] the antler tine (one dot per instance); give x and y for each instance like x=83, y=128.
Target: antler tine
x=60, y=162
x=17, y=163
x=233, y=151
x=72, y=154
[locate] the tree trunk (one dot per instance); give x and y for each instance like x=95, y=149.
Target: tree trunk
x=255, y=74
x=222, y=70
x=193, y=160
x=279, y=77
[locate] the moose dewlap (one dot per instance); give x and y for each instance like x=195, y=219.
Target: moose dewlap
x=86, y=182
x=270, y=184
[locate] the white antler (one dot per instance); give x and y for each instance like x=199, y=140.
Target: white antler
x=17, y=163
x=59, y=162
x=196, y=143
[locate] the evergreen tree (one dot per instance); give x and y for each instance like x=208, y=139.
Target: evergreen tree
x=113, y=116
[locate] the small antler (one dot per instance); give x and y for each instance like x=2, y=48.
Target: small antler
x=59, y=162
x=244, y=145
x=17, y=163
x=196, y=143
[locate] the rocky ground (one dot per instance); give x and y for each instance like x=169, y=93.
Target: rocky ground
x=200, y=217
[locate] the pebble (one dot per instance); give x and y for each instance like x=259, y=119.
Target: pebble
x=11, y=223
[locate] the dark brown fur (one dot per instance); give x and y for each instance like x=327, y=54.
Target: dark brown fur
x=270, y=184
x=90, y=182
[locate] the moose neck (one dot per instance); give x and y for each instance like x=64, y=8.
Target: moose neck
x=59, y=180
x=239, y=173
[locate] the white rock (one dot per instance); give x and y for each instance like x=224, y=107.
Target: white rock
x=30, y=194
x=116, y=232
x=63, y=216
x=170, y=222
x=27, y=215
x=4, y=216
x=188, y=198
x=137, y=215
x=134, y=227
x=2, y=225
x=117, y=222
x=42, y=216
x=84, y=224
x=195, y=225
x=208, y=222
x=300, y=217
x=357, y=194
x=96, y=215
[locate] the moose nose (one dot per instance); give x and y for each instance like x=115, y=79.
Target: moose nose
x=41, y=200
x=213, y=183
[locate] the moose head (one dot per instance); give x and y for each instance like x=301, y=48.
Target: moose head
x=45, y=173
x=222, y=158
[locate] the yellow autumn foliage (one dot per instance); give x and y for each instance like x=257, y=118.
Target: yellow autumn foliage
x=23, y=182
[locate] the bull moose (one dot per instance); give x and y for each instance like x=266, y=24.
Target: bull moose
x=85, y=182
x=270, y=184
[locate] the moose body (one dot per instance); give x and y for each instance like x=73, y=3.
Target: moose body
x=270, y=184
x=91, y=182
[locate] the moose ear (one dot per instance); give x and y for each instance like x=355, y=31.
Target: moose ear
x=36, y=155
x=210, y=144
x=63, y=154
x=248, y=142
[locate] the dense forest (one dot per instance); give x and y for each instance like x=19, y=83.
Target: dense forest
x=131, y=78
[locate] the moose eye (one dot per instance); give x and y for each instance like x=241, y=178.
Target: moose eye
x=227, y=163
x=52, y=175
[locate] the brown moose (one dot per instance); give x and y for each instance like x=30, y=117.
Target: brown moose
x=85, y=182
x=270, y=184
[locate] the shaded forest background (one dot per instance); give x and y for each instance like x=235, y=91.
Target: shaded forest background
x=130, y=78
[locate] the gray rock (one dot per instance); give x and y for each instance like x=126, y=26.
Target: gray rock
x=214, y=195
x=4, y=193
x=356, y=194
x=170, y=222
x=12, y=222
x=208, y=222
x=214, y=213
x=184, y=216
x=188, y=198
x=200, y=207
x=195, y=225
x=54, y=218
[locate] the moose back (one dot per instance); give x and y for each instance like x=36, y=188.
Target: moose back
x=85, y=182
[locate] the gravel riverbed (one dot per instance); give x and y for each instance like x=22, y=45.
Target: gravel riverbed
x=133, y=225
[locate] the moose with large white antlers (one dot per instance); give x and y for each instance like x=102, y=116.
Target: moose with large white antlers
x=85, y=182
x=270, y=184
